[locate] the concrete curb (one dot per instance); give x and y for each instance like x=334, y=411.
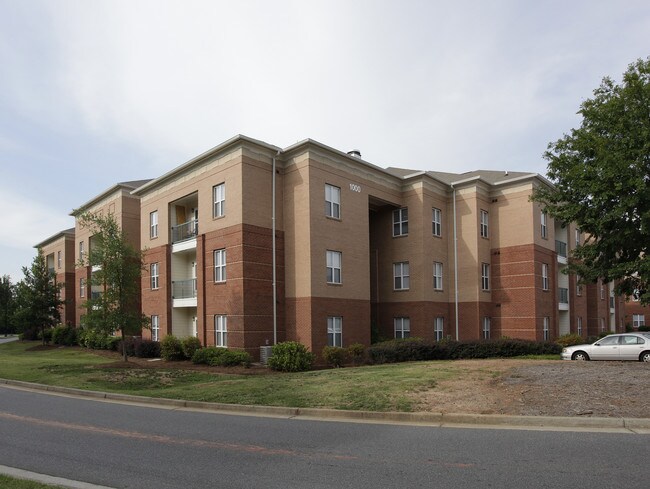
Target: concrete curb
x=435, y=419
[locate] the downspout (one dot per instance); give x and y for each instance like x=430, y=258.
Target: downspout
x=455, y=265
x=275, y=291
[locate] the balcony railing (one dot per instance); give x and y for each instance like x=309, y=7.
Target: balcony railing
x=184, y=289
x=563, y=295
x=560, y=248
x=185, y=231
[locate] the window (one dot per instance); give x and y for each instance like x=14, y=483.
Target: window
x=58, y=259
x=487, y=323
x=438, y=328
x=220, y=265
x=638, y=320
x=580, y=325
x=578, y=285
x=155, y=329
x=485, y=276
x=82, y=287
x=221, y=331
x=484, y=224
x=602, y=292
x=335, y=331
x=154, y=276
x=332, y=201
x=544, y=276
x=82, y=252
x=153, y=224
x=401, y=275
x=219, y=200
x=437, y=222
x=578, y=232
x=333, y=267
x=401, y=222
x=544, y=230
x=602, y=324
x=437, y=275
x=402, y=327
x=547, y=333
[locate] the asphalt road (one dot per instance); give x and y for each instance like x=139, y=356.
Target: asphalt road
x=127, y=446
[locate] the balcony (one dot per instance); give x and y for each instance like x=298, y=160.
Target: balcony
x=184, y=293
x=563, y=298
x=561, y=250
x=184, y=235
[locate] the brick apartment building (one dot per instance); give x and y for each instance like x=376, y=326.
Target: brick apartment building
x=58, y=251
x=248, y=244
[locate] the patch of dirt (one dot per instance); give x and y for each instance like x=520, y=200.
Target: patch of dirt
x=544, y=388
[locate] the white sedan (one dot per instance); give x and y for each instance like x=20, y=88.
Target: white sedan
x=627, y=346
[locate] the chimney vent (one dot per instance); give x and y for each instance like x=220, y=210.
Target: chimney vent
x=355, y=153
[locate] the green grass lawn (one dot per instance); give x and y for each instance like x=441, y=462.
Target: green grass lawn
x=391, y=387
x=7, y=482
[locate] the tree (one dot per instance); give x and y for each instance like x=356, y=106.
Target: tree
x=601, y=181
x=118, y=269
x=7, y=306
x=37, y=296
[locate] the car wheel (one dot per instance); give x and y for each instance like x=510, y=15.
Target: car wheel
x=645, y=356
x=580, y=355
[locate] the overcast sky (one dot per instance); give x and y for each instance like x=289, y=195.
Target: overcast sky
x=97, y=92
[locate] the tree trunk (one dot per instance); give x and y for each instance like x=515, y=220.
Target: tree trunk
x=124, y=356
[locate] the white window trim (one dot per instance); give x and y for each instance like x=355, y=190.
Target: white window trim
x=82, y=251
x=485, y=224
x=579, y=325
x=436, y=222
x=155, y=328
x=221, y=330
x=403, y=325
x=546, y=328
x=485, y=276
x=439, y=328
x=58, y=259
x=219, y=265
x=401, y=222
x=334, y=261
x=487, y=327
x=332, y=201
x=219, y=200
x=544, y=276
x=401, y=271
x=544, y=225
x=437, y=276
x=638, y=320
x=335, y=331
x=155, y=276
x=82, y=287
x=153, y=224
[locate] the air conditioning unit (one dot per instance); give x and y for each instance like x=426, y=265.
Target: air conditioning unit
x=265, y=353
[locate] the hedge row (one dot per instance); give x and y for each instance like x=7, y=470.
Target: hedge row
x=413, y=349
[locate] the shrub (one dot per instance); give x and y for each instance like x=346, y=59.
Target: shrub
x=29, y=334
x=334, y=355
x=231, y=358
x=291, y=356
x=64, y=335
x=147, y=348
x=171, y=348
x=205, y=355
x=570, y=340
x=190, y=345
x=644, y=328
x=357, y=352
x=45, y=335
x=97, y=340
x=130, y=343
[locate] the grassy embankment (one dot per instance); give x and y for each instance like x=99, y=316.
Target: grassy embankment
x=377, y=388
x=13, y=483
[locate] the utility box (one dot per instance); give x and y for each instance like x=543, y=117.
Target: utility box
x=265, y=354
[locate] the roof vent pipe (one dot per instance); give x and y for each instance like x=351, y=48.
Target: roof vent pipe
x=355, y=153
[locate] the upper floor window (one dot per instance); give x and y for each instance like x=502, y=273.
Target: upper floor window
x=221, y=330
x=401, y=222
x=335, y=331
x=544, y=276
x=437, y=275
x=485, y=276
x=401, y=275
x=438, y=328
x=487, y=326
x=484, y=224
x=154, y=276
x=220, y=265
x=544, y=229
x=402, y=327
x=333, y=267
x=436, y=222
x=58, y=259
x=602, y=292
x=578, y=233
x=153, y=224
x=82, y=251
x=82, y=287
x=578, y=285
x=332, y=201
x=219, y=200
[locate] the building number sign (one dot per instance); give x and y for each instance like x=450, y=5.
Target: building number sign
x=355, y=188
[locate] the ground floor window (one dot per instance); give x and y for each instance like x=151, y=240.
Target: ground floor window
x=547, y=333
x=638, y=320
x=487, y=325
x=221, y=330
x=335, y=331
x=402, y=327
x=438, y=328
x=602, y=324
x=580, y=325
x=155, y=328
